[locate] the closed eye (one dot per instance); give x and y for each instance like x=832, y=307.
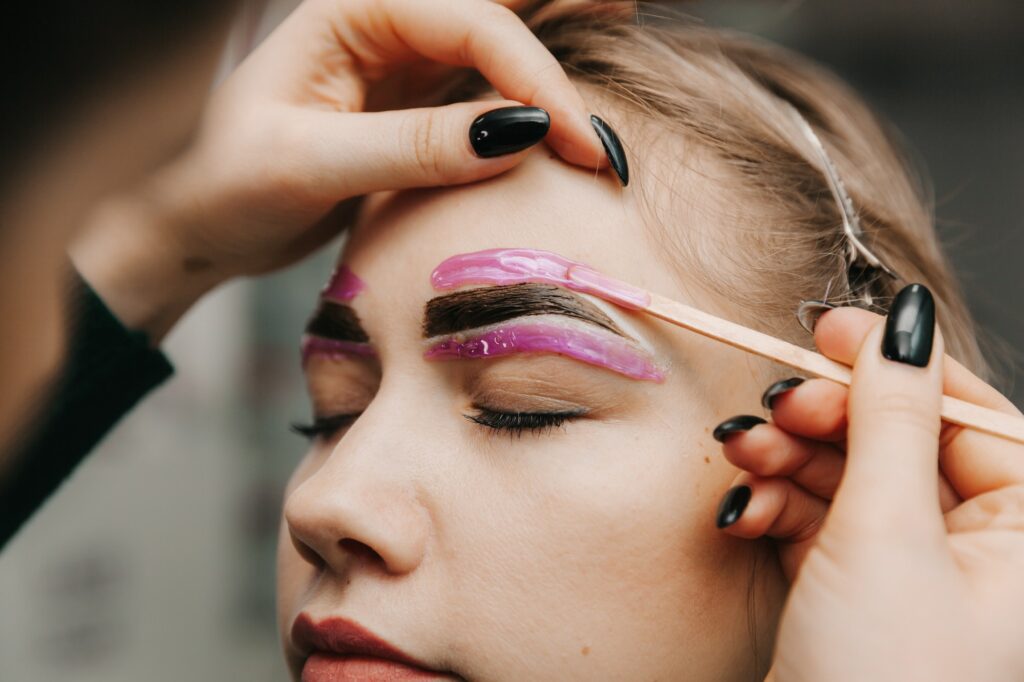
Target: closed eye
x=516, y=423
x=324, y=427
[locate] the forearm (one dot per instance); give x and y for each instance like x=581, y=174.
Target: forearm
x=134, y=255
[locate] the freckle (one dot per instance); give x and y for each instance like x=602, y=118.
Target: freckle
x=707, y=459
x=585, y=650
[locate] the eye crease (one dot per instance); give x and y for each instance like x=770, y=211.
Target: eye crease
x=483, y=322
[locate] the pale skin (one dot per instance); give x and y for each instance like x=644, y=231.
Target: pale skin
x=588, y=551
x=225, y=211
x=339, y=491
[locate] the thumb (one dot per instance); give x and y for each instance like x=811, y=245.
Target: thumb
x=890, y=482
x=357, y=153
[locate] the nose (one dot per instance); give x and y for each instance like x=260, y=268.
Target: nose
x=342, y=515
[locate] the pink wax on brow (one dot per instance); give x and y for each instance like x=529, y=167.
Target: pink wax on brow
x=343, y=285
x=515, y=266
x=537, y=337
x=333, y=348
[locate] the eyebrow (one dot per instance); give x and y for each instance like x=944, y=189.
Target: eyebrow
x=473, y=308
x=336, y=321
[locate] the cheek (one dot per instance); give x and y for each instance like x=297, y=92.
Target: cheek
x=606, y=543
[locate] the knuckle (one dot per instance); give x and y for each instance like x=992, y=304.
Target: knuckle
x=424, y=137
x=909, y=411
x=279, y=169
x=1004, y=507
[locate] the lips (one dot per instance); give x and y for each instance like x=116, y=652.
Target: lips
x=343, y=651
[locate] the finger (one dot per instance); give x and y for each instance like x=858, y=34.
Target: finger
x=995, y=510
x=768, y=451
x=777, y=508
x=814, y=409
x=366, y=152
x=973, y=462
x=893, y=437
x=839, y=334
x=492, y=39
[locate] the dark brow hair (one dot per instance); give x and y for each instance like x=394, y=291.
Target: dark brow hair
x=474, y=308
x=336, y=321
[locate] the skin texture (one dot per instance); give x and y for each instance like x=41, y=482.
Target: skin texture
x=587, y=551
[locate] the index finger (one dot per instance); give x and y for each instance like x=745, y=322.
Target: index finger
x=489, y=37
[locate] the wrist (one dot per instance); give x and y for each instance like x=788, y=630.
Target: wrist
x=135, y=254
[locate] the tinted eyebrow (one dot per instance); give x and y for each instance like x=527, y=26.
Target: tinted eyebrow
x=336, y=321
x=473, y=308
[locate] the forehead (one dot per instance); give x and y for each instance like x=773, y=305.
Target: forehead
x=542, y=204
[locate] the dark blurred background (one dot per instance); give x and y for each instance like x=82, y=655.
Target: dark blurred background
x=950, y=76
x=156, y=561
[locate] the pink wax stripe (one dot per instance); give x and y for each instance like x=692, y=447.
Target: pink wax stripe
x=343, y=285
x=513, y=266
x=590, y=347
x=332, y=348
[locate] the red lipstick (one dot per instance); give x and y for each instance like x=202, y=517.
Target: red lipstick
x=341, y=650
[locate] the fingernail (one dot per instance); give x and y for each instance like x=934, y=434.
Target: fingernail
x=743, y=422
x=809, y=312
x=777, y=389
x=910, y=326
x=732, y=505
x=612, y=147
x=508, y=130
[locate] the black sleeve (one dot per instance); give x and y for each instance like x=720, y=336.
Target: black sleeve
x=107, y=370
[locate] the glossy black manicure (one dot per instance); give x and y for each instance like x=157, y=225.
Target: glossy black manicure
x=777, y=389
x=732, y=505
x=910, y=326
x=613, y=147
x=743, y=422
x=508, y=130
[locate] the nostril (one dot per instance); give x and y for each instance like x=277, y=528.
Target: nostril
x=359, y=550
x=308, y=554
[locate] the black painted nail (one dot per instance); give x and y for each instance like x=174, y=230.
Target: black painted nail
x=508, y=130
x=743, y=422
x=732, y=505
x=613, y=147
x=910, y=326
x=777, y=389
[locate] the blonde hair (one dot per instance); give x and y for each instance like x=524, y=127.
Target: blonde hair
x=726, y=94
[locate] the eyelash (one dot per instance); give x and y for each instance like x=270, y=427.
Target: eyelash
x=513, y=423
x=324, y=427
x=516, y=423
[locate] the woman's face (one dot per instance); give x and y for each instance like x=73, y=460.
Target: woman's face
x=581, y=550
